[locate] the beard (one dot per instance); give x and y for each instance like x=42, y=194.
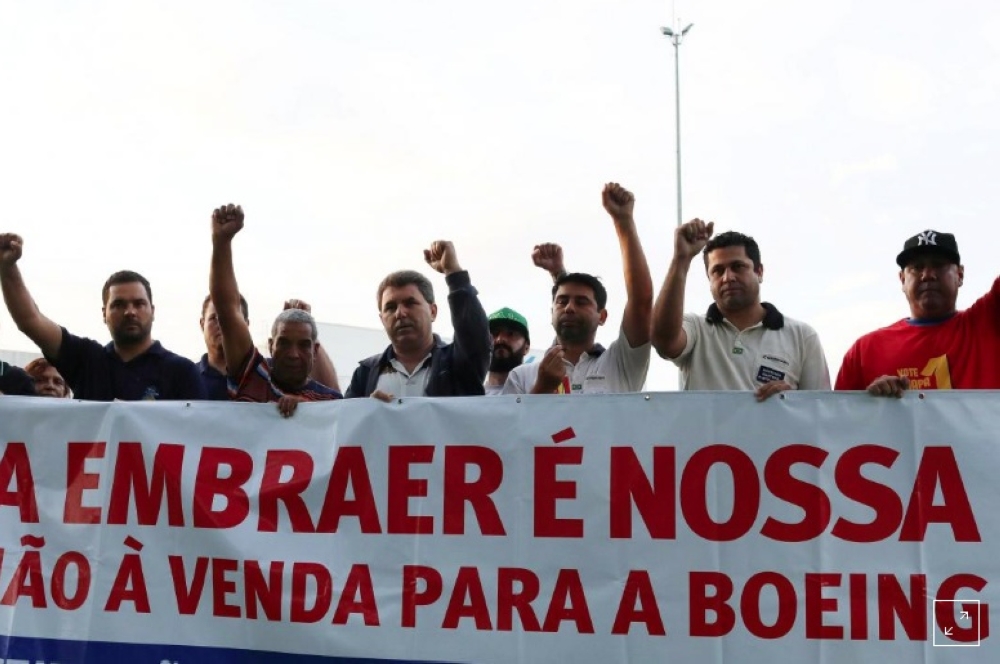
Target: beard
x=576, y=332
x=126, y=334
x=505, y=363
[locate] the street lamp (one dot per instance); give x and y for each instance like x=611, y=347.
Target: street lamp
x=676, y=38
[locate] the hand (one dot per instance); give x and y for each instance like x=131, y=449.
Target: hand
x=10, y=248
x=889, y=386
x=549, y=257
x=551, y=370
x=618, y=201
x=298, y=304
x=227, y=221
x=771, y=388
x=691, y=238
x=442, y=257
x=382, y=396
x=287, y=404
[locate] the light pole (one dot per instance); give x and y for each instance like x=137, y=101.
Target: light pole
x=676, y=38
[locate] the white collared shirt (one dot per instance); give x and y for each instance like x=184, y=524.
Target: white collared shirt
x=395, y=380
x=618, y=369
x=718, y=356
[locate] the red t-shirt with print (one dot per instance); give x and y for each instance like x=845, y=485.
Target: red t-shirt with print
x=960, y=353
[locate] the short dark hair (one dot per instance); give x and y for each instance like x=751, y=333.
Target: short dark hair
x=402, y=278
x=734, y=239
x=600, y=293
x=125, y=277
x=244, y=307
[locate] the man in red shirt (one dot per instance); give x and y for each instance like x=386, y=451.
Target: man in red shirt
x=937, y=347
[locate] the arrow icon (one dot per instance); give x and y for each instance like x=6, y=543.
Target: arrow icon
x=947, y=631
x=964, y=615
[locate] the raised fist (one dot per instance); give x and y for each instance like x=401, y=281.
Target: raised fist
x=10, y=248
x=618, y=201
x=549, y=257
x=442, y=257
x=298, y=304
x=690, y=238
x=227, y=221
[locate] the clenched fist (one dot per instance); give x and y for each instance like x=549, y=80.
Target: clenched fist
x=442, y=257
x=10, y=248
x=618, y=201
x=549, y=257
x=691, y=238
x=227, y=221
x=551, y=370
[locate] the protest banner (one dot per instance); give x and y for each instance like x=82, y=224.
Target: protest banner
x=681, y=527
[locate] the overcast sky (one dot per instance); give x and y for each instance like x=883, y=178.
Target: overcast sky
x=355, y=133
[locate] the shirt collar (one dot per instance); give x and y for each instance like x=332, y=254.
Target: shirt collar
x=390, y=354
x=923, y=322
x=206, y=368
x=773, y=319
x=154, y=349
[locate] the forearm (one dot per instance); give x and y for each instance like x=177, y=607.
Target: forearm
x=668, y=312
x=468, y=319
x=46, y=334
x=222, y=284
x=638, y=285
x=225, y=294
x=323, y=369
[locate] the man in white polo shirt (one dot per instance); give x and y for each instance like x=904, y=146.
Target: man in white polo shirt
x=576, y=363
x=741, y=343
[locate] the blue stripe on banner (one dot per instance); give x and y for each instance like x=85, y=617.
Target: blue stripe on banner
x=56, y=651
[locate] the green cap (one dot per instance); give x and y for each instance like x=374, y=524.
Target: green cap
x=508, y=316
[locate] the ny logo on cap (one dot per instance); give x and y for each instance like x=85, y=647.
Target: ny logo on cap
x=927, y=237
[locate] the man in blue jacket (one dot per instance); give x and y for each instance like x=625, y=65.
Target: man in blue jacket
x=417, y=362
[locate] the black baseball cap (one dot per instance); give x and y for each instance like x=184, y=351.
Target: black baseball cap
x=929, y=242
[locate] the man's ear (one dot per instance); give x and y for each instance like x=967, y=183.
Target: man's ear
x=434, y=312
x=760, y=274
x=270, y=346
x=603, y=317
x=902, y=280
x=961, y=274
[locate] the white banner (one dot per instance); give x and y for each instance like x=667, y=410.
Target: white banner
x=681, y=527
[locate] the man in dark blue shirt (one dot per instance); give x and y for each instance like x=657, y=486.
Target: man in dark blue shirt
x=212, y=365
x=132, y=367
x=15, y=381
